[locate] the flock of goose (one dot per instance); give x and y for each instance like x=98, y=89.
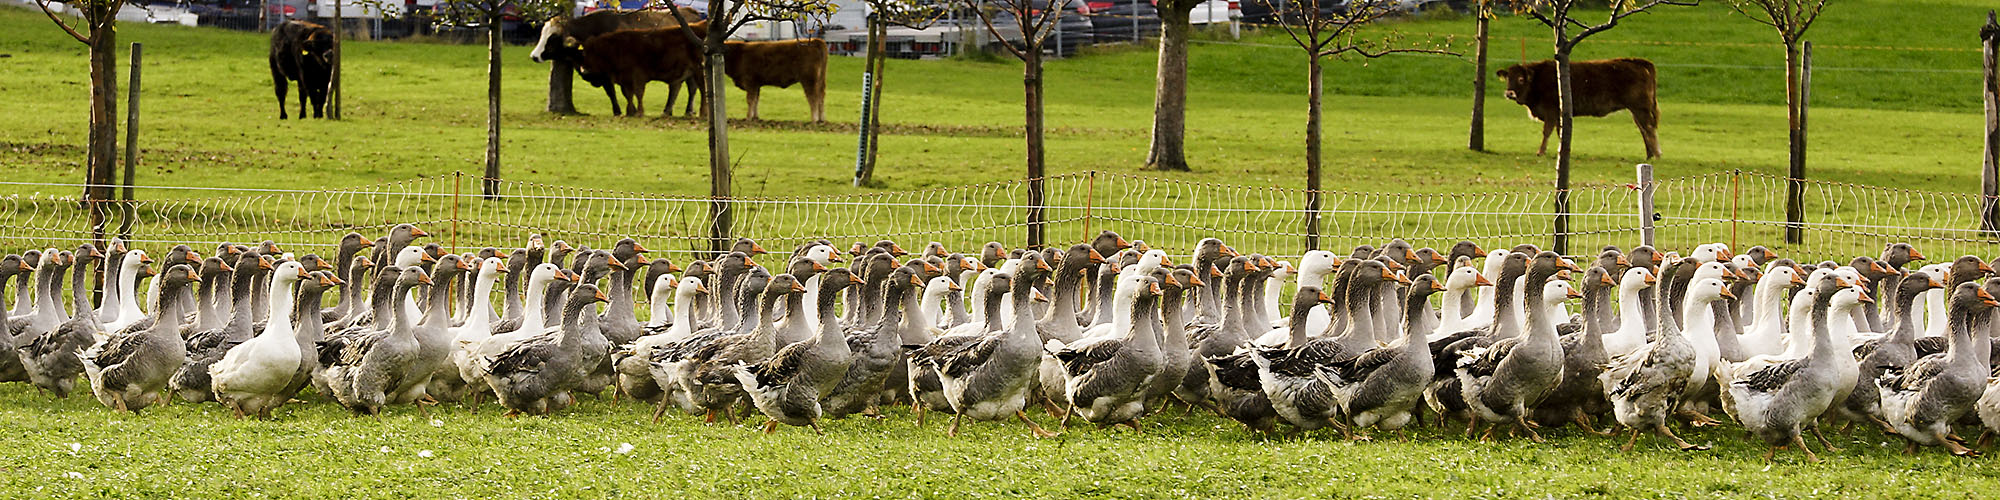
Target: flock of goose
x=1109, y=332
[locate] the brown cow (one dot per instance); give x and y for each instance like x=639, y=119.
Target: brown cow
x=1602, y=87
x=754, y=65
x=631, y=58
x=562, y=39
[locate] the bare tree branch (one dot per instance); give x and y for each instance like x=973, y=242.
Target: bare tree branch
x=44, y=4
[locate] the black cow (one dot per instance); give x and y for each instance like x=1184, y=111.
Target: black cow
x=302, y=51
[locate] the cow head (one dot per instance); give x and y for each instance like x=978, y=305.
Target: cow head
x=565, y=46
x=318, y=46
x=1520, y=82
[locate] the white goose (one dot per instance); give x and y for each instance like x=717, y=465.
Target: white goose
x=1458, y=284
x=477, y=328
x=1631, y=333
x=128, y=312
x=252, y=377
x=1766, y=334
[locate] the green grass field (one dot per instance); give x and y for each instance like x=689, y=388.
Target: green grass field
x=1905, y=116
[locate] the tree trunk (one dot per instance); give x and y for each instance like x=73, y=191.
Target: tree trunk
x=719, y=175
x=1313, y=91
x=491, y=183
x=1796, y=125
x=1990, y=161
x=561, y=77
x=333, y=75
x=103, y=148
x=1564, y=130
x=1168, y=151
x=1031, y=81
x=1476, y=139
x=881, y=65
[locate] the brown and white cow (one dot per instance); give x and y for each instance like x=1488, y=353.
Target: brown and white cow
x=562, y=40
x=754, y=65
x=1601, y=87
x=628, y=59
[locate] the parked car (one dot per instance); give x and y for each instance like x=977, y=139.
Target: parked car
x=1073, y=30
x=1121, y=20
x=1266, y=11
x=1216, y=12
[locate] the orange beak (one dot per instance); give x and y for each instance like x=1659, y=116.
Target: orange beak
x=1987, y=298
x=1866, y=299
x=418, y=232
x=464, y=266
x=426, y=257
x=954, y=287
x=1915, y=255
x=1606, y=280
x=1623, y=261
x=1938, y=284
x=914, y=281
x=894, y=249
x=425, y=279
x=673, y=268
x=600, y=296
x=1165, y=261
x=1437, y=287
x=1728, y=294
x=1438, y=260
x=1230, y=252
x=796, y=288
x=1214, y=273
x=264, y=264
x=1195, y=280
x=1169, y=279
x=817, y=266
x=854, y=280
x=1042, y=265
x=1480, y=280
x=1096, y=258
x=638, y=248
x=225, y=268
x=364, y=244
x=1575, y=295
x=1122, y=244
x=747, y=262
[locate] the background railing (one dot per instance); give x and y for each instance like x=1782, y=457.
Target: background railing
x=1737, y=207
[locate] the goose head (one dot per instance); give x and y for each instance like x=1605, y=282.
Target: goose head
x=1423, y=286
x=1308, y=298
x=1899, y=254
x=837, y=279
x=1780, y=278
x=1108, y=243
x=1968, y=268
x=1760, y=254
x=1427, y=258
x=1636, y=279
x=1398, y=251
x=1713, y=270
x=1557, y=291
x=1706, y=290
x=1495, y=262
x=1467, y=249
x=1848, y=297
x=748, y=247
x=1464, y=278
x=937, y=287
x=822, y=254
x=287, y=274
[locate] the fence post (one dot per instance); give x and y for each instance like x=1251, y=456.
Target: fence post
x=1089, y=202
x=861, y=171
x=1646, y=204
x=1735, y=204
x=1795, y=192
x=131, y=145
x=457, y=177
x=1989, y=176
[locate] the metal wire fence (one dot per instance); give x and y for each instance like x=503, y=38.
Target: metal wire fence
x=1741, y=208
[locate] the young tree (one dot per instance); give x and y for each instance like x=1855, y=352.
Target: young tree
x=1168, y=150
x=1323, y=32
x=1568, y=31
x=1033, y=27
x=100, y=20
x=485, y=14
x=1791, y=18
x=883, y=14
x=724, y=19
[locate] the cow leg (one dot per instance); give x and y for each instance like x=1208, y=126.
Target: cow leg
x=319, y=101
x=750, y=99
x=304, y=93
x=631, y=110
x=673, y=92
x=816, y=98
x=278, y=84
x=610, y=93
x=1648, y=121
x=1547, y=127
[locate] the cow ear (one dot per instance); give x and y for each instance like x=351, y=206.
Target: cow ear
x=1502, y=73
x=570, y=41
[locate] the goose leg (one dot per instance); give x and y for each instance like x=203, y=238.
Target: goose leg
x=1957, y=448
x=1134, y=424
x=1066, y=414
x=1630, y=442
x=1685, y=446
x=1036, y=428
x=1800, y=440
x=918, y=408
x=1985, y=439
x=661, y=409
x=709, y=420
x=815, y=427
x=770, y=427
x=1823, y=440
x=1471, y=426
x=953, y=431
x=1522, y=422
x=1583, y=420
